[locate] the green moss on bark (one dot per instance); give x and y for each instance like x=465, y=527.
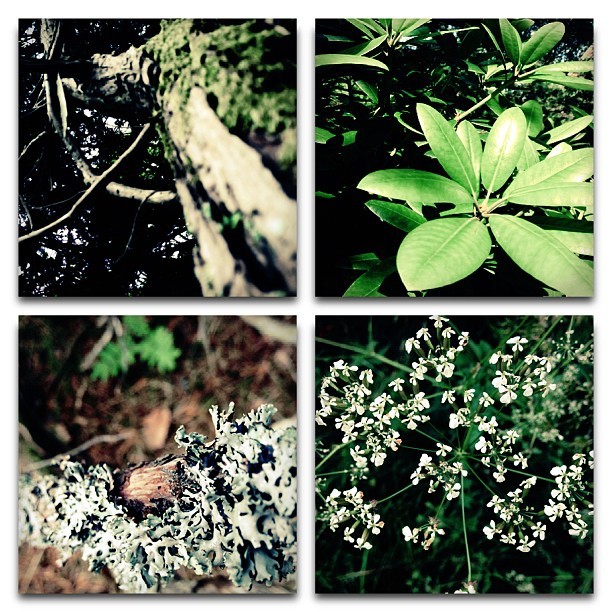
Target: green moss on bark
x=246, y=69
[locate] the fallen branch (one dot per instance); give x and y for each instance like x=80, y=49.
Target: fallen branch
x=228, y=503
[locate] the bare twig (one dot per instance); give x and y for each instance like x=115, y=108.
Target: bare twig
x=96, y=185
x=101, y=439
x=35, y=139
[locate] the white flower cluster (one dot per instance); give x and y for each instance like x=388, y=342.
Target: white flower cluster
x=350, y=506
x=427, y=533
x=445, y=473
x=236, y=508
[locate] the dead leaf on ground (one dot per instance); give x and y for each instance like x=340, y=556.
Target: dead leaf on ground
x=155, y=427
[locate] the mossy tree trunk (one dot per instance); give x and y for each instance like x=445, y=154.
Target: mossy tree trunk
x=203, y=83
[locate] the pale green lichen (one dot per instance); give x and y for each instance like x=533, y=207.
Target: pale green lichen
x=236, y=509
x=246, y=70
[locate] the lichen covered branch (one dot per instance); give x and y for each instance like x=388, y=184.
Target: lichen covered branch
x=228, y=503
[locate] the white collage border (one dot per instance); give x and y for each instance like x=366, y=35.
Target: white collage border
x=306, y=306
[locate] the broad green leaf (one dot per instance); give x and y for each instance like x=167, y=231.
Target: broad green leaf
x=334, y=59
x=535, y=117
x=369, y=90
x=414, y=186
x=367, y=26
x=542, y=256
x=511, y=40
x=405, y=26
x=576, y=235
x=554, y=193
x=503, y=148
x=470, y=138
x=571, y=82
x=529, y=157
x=572, y=167
x=322, y=135
x=398, y=215
x=458, y=209
x=442, y=252
x=583, y=66
x=493, y=40
x=363, y=261
x=562, y=147
x=447, y=147
x=363, y=48
x=541, y=42
x=522, y=24
x=571, y=128
x=368, y=284
x=474, y=68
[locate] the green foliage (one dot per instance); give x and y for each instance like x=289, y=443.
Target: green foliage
x=137, y=341
x=471, y=137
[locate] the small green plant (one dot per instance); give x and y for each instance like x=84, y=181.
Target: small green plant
x=135, y=339
x=462, y=466
x=517, y=181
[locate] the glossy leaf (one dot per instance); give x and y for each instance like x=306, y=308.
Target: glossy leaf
x=442, y=252
x=542, y=41
x=575, y=166
x=363, y=261
x=562, y=147
x=368, y=284
x=364, y=48
x=398, y=215
x=572, y=82
x=367, y=26
x=335, y=59
x=503, y=148
x=414, y=186
x=534, y=116
x=554, y=194
x=511, y=40
x=583, y=66
x=576, y=235
x=522, y=24
x=405, y=26
x=470, y=138
x=529, y=157
x=542, y=255
x=569, y=129
x=322, y=135
x=369, y=90
x=447, y=147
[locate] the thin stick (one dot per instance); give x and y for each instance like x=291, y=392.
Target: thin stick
x=97, y=184
x=102, y=439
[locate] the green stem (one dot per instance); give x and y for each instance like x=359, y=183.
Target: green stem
x=330, y=454
x=467, y=546
x=362, y=572
x=385, y=499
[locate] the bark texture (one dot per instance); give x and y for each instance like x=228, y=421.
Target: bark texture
x=244, y=222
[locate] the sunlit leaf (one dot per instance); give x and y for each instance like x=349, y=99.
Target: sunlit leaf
x=368, y=284
x=542, y=255
x=511, y=40
x=442, y=252
x=554, y=194
x=542, y=41
x=405, y=26
x=571, y=82
x=414, y=186
x=447, y=147
x=365, y=47
x=335, y=59
x=562, y=147
x=571, y=128
x=576, y=235
x=367, y=26
x=470, y=138
x=581, y=66
x=398, y=215
x=503, y=148
x=529, y=157
x=369, y=90
x=322, y=135
x=534, y=116
x=574, y=166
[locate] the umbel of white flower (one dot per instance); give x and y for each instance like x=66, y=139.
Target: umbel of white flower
x=233, y=505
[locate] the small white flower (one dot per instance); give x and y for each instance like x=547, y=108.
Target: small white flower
x=438, y=321
x=539, y=530
x=412, y=343
x=468, y=395
x=453, y=421
x=517, y=343
x=448, y=396
x=410, y=535
x=525, y=544
x=491, y=530
x=397, y=384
